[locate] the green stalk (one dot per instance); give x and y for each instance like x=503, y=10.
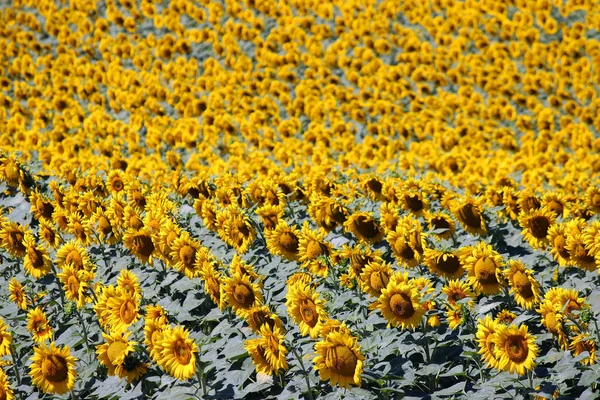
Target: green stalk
x=310, y=395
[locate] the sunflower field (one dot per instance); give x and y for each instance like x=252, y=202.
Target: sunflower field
x=299, y=199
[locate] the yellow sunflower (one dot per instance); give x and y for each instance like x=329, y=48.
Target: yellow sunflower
x=535, y=226
x=113, y=351
x=274, y=347
x=37, y=261
x=444, y=263
x=129, y=283
x=555, y=202
x=122, y=310
x=557, y=238
x=76, y=284
x=454, y=316
x=49, y=234
x=505, y=317
x=456, y=290
x=523, y=285
x=375, y=277
x=258, y=316
x=414, y=201
x=178, y=354
x=237, y=230
x=483, y=265
x=400, y=304
x=132, y=368
x=38, y=325
x=364, y=227
x=41, y=206
x=440, y=220
x=208, y=212
x=553, y=320
x=284, y=241
x=270, y=215
x=339, y=359
x=238, y=266
x=389, y=217
x=53, y=369
x=17, y=294
x=306, y=309
x=6, y=392
x=407, y=252
x=514, y=348
x=79, y=228
x=5, y=339
x=153, y=336
x=140, y=244
x=115, y=181
x=241, y=294
x=213, y=284
x=580, y=255
x=312, y=246
x=156, y=313
x=359, y=257
x=591, y=238
x=469, y=213
x=168, y=233
x=333, y=325
x=74, y=254
x=12, y=235
x=485, y=333
x=581, y=343
x=100, y=223
x=184, y=251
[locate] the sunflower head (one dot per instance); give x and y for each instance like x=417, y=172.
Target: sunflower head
x=469, y=214
x=365, y=227
x=339, y=359
x=53, y=369
x=38, y=325
x=483, y=265
x=444, y=263
x=284, y=241
x=514, y=348
x=535, y=225
x=306, y=309
x=178, y=353
x=400, y=304
x=375, y=277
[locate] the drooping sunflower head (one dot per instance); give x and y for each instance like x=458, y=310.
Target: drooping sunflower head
x=270, y=215
x=514, y=348
x=53, y=369
x=12, y=235
x=364, y=227
x=37, y=261
x=140, y=244
x=440, y=220
x=557, y=238
x=580, y=255
x=184, y=252
x=483, y=265
x=284, y=241
x=132, y=368
x=444, y=263
x=553, y=320
x=5, y=339
x=17, y=294
x=339, y=359
x=400, y=304
x=312, y=245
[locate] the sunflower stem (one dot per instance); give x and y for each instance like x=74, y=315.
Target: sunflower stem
x=60, y=288
x=14, y=360
x=85, y=335
x=530, y=377
x=310, y=395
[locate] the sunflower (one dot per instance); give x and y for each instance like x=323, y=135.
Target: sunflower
x=333, y=325
x=256, y=348
x=535, y=226
x=156, y=313
x=270, y=215
x=359, y=257
x=457, y=290
x=184, y=252
x=237, y=230
x=53, y=369
x=213, y=284
x=129, y=283
x=140, y=244
x=365, y=227
x=302, y=278
x=593, y=198
x=153, y=337
x=113, y=351
x=553, y=319
x=505, y=317
x=312, y=246
x=168, y=233
x=373, y=187
x=74, y=254
x=178, y=354
x=485, y=333
x=306, y=309
x=37, y=324
x=580, y=255
x=469, y=214
x=122, y=310
x=258, y=316
x=76, y=284
x=401, y=247
x=400, y=304
x=483, y=265
x=6, y=392
x=389, y=217
x=523, y=285
x=375, y=277
x=514, y=348
x=581, y=343
x=339, y=359
x=444, y=263
x=454, y=316
x=115, y=181
x=555, y=203
x=5, y=339
x=274, y=347
x=238, y=266
x=41, y=206
x=49, y=234
x=241, y=293
x=440, y=220
x=207, y=210
x=17, y=294
x=284, y=241
x=132, y=368
x=37, y=262
x=12, y=237
x=557, y=238
x=79, y=228
x=568, y=300
x=100, y=223
x=414, y=202
x=591, y=238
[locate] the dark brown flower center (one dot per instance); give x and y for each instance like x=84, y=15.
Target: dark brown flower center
x=308, y=312
x=243, y=295
x=374, y=185
x=523, y=285
x=341, y=360
x=414, y=202
x=516, y=348
x=401, y=305
x=470, y=216
x=366, y=227
x=182, y=352
x=538, y=225
x=55, y=368
x=289, y=242
x=143, y=245
x=448, y=263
